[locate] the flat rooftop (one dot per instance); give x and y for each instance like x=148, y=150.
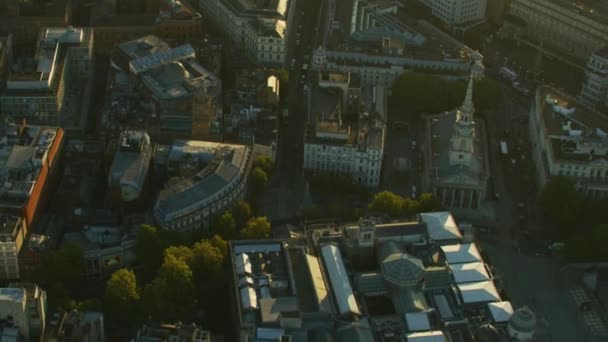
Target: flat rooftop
x=577, y=133
x=432, y=44
x=24, y=151
x=554, y=101
x=9, y=226
x=223, y=163
x=143, y=46
x=47, y=60
x=273, y=8
x=593, y=9
x=262, y=276
x=177, y=10
x=168, y=73
x=32, y=8
x=11, y=295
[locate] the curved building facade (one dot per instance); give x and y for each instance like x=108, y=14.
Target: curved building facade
x=192, y=197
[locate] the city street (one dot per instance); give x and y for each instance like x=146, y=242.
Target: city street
x=523, y=59
x=400, y=133
x=287, y=186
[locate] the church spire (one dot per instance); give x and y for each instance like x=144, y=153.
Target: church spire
x=465, y=114
x=463, y=136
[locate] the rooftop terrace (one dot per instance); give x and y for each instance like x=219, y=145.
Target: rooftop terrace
x=576, y=132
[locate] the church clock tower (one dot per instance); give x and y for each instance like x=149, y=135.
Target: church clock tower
x=463, y=136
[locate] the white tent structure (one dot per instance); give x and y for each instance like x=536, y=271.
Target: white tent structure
x=501, y=311
x=470, y=272
x=479, y=292
x=441, y=226
x=339, y=280
x=427, y=336
x=461, y=253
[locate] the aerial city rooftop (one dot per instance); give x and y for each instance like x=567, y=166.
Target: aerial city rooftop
x=303, y=171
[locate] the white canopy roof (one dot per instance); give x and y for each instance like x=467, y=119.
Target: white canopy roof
x=470, y=272
x=338, y=277
x=441, y=226
x=417, y=321
x=461, y=253
x=427, y=336
x=479, y=292
x=501, y=311
x=249, y=299
x=243, y=264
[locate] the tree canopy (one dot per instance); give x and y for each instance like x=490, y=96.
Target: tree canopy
x=420, y=92
x=121, y=296
x=171, y=295
x=560, y=204
x=391, y=204
x=225, y=225
x=589, y=245
x=182, y=253
x=256, y=228
x=388, y=203
x=241, y=213
x=149, y=250
x=259, y=179
x=208, y=257
x=64, y=266
x=264, y=162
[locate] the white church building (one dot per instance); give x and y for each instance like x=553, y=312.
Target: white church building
x=457, y=168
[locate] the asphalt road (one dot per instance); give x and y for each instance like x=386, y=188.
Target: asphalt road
x=287, y=186
x=398, y=144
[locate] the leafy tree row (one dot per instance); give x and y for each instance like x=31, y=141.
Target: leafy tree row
x=391, y=204
x=420, y=92
x=178, y=279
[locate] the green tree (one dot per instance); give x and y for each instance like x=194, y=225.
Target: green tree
x=589, y=246
x=427, y=202
x=418, y=92
x=560, y=205
x=121, y=296
x=148, y=251
x=409, y=207
x=183, y=253
x=58, y=296
x=219, y=243
x=241, y=213
x=225, y=225
x=256, y=228
x=486, y=94
x=259, y=179
x=170, y=296
x=208, y=258
x=64, y=268
x=264, y=162
x=388, y=203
